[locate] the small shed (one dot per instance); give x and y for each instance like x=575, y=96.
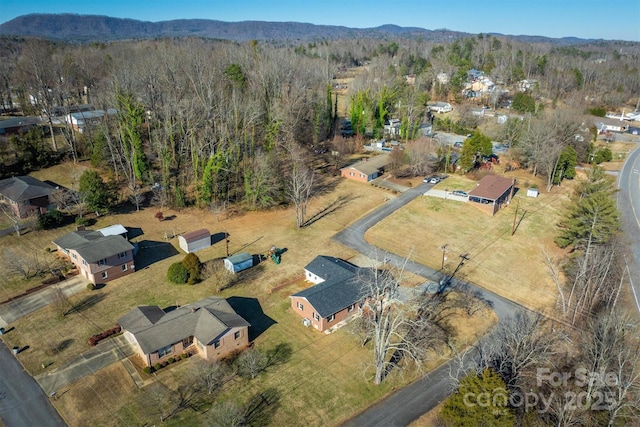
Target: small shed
x=195, y=240
x=532, y=192
x=239, y=262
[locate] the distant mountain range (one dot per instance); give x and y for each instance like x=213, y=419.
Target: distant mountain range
x=94, y=28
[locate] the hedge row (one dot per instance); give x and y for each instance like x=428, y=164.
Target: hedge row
x=95, y=339
x=159, y=365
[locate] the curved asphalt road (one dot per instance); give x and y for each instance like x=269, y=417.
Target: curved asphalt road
x=629, y=206
x=409, y=403
x=22, y=402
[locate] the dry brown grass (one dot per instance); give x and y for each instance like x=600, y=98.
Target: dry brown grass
x=511, y=266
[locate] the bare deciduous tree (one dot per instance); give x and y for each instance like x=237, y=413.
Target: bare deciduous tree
x=251, y=362
x=300, y=180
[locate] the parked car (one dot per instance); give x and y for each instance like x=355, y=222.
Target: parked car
x=434, y=180
x=460, y=193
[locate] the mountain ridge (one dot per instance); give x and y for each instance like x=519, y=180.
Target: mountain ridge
x=100, y=28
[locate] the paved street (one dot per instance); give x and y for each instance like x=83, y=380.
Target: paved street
x=22, y=402
x=629, y=206
x=409, y=403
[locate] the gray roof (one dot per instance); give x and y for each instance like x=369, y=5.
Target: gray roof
x=344, y=284
x=92, y=245
x=371, y=165
x=240, y=258
x=207, y=320
x=19, y=188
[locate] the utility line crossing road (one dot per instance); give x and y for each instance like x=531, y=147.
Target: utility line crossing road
x=409, y=403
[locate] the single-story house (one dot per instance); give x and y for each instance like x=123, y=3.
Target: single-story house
x=441, y=107
x=238, y=262
x=604, y=124
x=82, y=119
x=209, y=327
x=338, y=291
x=492, y=193
x=18, y=124
x=392, y=127
x=195, y=240
x=367, y=169
x=99, y=257
x=26, y=195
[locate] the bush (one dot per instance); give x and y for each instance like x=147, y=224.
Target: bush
x=90, y=286
x=95, y=339
x=49, y=220
x=184, y=356
x=146, y=370
x=82, y=221
x=177, y=273
x=598, y=111
x=603, y=155
x=192, y=264
x=171, y=360
x=157, y=366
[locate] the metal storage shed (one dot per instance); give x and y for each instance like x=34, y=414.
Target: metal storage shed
x=238, y=262
x=195, y=240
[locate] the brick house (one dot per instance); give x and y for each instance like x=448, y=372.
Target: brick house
x=492, y=193
x=26, y=195
x=337, y=293
x=209, y=327
x=98, y=255
x=367, y=169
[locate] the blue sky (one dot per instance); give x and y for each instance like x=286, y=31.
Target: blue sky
x=606, y=19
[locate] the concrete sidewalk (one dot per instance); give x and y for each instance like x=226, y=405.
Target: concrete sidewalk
x=14, y=310
x=104, y=354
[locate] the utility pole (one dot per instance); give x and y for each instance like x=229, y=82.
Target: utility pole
x=513, y=227
x=444, y=250
x=226, y=238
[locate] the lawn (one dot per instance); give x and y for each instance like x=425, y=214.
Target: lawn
x=512, y=266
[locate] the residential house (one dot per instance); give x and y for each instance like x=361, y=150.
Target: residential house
x=492, y=193
x=604, y=125
x=210, y=328
x=100, y=258
x=441, y=107
x=392, y=127
x=367, y=169
x=81, y=120
x=20, y=124
x=338, y=289
x=26, y=195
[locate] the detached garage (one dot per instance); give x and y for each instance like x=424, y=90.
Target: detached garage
x=238, y=262
x=195, y=240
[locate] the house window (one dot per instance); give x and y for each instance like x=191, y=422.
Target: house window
x=300, y=306
x=164, y=351
x=102, y=262
x=352, y=174
x=316, y=317
x=236, y=335
x=362, y=175
x=104, y=274
x=124, y=267
x=351, y=307
x=83, y=262
x=187, y=342
x=216, y=344
x=122, y=255
x=75, y=257
x=331, y=318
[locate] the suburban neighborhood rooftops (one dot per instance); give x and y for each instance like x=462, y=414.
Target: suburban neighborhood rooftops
x=19, y=188
x=206, y=320
x=345, y=284
x=491, y=187
x=92, y=245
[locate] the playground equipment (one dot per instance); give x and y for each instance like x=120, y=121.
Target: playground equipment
x=275, y=254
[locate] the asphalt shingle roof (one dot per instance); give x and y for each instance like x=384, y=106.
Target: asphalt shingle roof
x=19, y=188
x=92, y=245
x=491, y=187
x=344, y=284
x=206, y=320
x=371, y=165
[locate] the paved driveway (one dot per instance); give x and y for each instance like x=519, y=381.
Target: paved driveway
x=409, y=403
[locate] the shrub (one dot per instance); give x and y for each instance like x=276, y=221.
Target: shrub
x=146, y=370
x=184, y=356
x=177, y=273
x=171, y=360
x=91, y=286
x=81, y=221
x=598, y=111
x=192, y=264
x=49, y=220
x=157, y=366
x=159, y=216
x=95, y=339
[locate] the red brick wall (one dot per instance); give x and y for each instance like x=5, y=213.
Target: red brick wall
x=353, y=174
x=308, y=311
